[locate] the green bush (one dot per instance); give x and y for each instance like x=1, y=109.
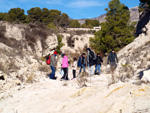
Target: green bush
x=60, y=44
x=116, y=32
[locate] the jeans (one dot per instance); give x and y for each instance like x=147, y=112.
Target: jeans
x=82, y=66
x=98, y=68
x=74, y=73
x=52, y=75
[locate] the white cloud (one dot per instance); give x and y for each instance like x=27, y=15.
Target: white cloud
x=84, y=4
x=42, y=1
x=52, y=2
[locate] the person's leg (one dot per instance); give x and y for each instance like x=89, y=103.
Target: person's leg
x=96, y=69
x=66, y=75
x=99, y=68
x=113, y=66
x=80, y=69
x=84, y=68
x=74, y=73
x=53, y=73
x=91, y=69
x=63, y=77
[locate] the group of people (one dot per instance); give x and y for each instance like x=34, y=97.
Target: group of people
x=87, y=59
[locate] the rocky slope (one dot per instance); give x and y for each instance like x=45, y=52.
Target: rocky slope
x=134, y=58
x=123, y=95
x=134, y=16
x=50, y=96
x=23, y=48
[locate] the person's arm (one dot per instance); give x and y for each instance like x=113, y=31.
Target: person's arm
x=101, y=60
x=55, y=62
x=116, y=58
x=108, y=59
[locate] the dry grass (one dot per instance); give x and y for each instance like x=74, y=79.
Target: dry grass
x=30, y=78
x=70, y=41
x=44, y=68
x=82, y=79
x=2, y=31
x=65, y=84
x=2, y=67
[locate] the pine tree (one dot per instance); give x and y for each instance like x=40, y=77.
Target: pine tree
x=116, y=32
x=144, y=5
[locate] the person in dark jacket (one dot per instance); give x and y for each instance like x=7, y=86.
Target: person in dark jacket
x=82, y=62
x=98, y=64
x=91, y=57
x=112, y=59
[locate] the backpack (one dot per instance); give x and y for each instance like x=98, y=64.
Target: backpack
x=48, y=60
x=92, y=55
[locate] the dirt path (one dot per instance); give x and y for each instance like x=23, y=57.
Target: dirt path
x=51, y=96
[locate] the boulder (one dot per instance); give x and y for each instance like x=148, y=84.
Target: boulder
x=146, y=76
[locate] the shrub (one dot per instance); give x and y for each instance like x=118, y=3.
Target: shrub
x=82, y=79
x=60, y=44
x=30, y=78
x=2, y=31
x=34, y=32
x=44, y=68
x=70, y=41
x=2, y=67
x=51, y=26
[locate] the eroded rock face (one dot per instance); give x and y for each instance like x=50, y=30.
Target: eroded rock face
x=23, y=49
x=75, y=43
x=134, y=58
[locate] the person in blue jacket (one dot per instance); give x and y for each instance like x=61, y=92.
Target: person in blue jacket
x=82, y=62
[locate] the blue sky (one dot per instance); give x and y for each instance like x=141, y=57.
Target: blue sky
x=76, y=9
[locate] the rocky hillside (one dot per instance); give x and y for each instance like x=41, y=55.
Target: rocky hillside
x=23, y=48
x=134, y=58
x=55, y=96
x=134, y=16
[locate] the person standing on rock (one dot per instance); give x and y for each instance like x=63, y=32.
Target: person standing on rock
x=98, y=64
x=53, y=64
x=91, y=58
x=65, y=67
x=112, y=59
x=82, y=62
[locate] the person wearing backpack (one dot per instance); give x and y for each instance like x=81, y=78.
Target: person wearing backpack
x=98, y=64
x=82, y=62
x=65, y=67
x=91, y=59
x=53, y=63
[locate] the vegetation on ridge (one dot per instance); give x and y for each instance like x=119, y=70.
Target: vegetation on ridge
x=44, y=16
x=116, y=32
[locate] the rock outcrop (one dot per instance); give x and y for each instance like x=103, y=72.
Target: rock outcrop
x=134, y=58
